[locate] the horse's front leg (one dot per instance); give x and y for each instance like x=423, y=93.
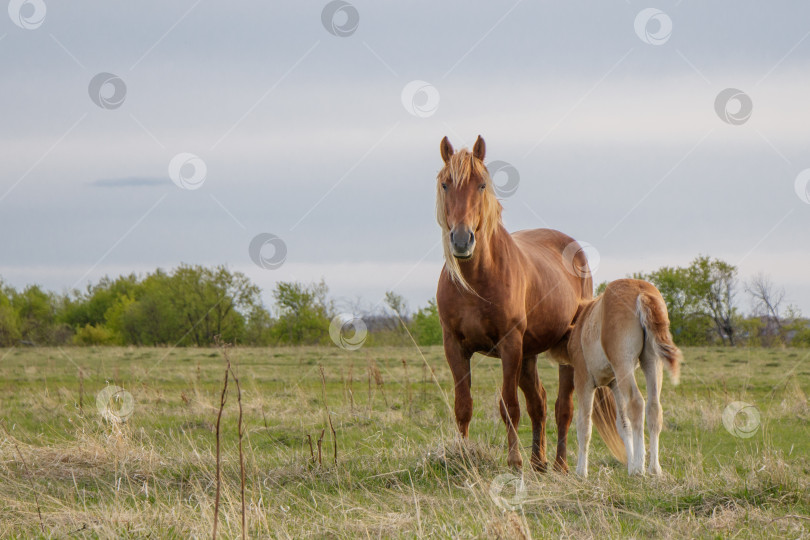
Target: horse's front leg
x=511, y=353
x=459, y=361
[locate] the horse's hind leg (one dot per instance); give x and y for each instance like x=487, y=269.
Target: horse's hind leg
x=653, y=372
x=460, y=367
x=536, y=407
x=563, y=413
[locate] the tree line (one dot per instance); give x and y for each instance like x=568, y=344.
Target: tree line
x=195, y=305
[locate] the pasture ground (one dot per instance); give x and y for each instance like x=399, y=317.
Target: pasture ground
x=400, y=471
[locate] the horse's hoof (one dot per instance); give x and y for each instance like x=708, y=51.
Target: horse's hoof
x=539, y=466
x=516, y=463
x=561, y=467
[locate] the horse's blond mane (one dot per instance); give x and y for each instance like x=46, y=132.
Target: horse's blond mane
x=457, y=172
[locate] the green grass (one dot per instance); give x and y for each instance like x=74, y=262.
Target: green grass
x=400, y=470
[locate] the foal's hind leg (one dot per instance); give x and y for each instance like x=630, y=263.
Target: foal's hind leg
x=653, y=372
x=623, y=425
x=632, y=415
x=536, y=407
x=585, y=394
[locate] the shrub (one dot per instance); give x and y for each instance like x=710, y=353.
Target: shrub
x=93, y=335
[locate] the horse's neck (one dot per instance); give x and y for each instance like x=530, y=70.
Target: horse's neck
x=491, y=257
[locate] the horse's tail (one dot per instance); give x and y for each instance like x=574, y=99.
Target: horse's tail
x=652, y=314
x=604, y=418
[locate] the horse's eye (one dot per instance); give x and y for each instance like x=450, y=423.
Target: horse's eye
x=482, y=187
x=444, y=186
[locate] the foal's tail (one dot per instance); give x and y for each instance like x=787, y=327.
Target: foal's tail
x=604, y=418
x=652, y=313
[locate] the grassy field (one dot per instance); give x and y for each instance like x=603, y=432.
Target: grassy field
x=400, y=471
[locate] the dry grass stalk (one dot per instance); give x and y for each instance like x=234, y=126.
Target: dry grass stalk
x=223, y=397
x=81, y=391
x=320, y=444
x=375, y=372
x=311, y=451
x=407, y=385
x=28, y=474
x=328, y=416
x=241, y=432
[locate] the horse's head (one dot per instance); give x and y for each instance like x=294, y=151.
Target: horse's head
x=466, y=205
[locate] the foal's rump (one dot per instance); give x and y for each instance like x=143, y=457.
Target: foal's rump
x=630, y=303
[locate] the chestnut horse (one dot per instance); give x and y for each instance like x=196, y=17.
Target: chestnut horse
x=626, y=326
x=509, y=296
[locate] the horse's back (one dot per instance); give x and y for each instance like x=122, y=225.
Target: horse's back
x=543, y=239
x=559, y=255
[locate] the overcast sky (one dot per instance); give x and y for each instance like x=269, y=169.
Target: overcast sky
x=307, y=126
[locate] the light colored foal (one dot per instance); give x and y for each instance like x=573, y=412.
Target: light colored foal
x=624, y=327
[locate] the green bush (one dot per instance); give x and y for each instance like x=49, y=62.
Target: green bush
x=426, y=327
x=93, y=335
x=9, y=330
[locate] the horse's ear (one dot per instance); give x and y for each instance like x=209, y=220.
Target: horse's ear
x=446, y=149
x=480, y=148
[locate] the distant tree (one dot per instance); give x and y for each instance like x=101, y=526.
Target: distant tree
x=689, y=323
x=258, y=327
x=304, y=312
x=601, y=288
x=716, y=283
x=91, y=307
x=397, y=304
x=36, y=313
x=767, y=301
x=426, y=326
x=9, y=322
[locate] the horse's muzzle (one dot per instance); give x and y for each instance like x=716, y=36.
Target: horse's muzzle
x=462, y=240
